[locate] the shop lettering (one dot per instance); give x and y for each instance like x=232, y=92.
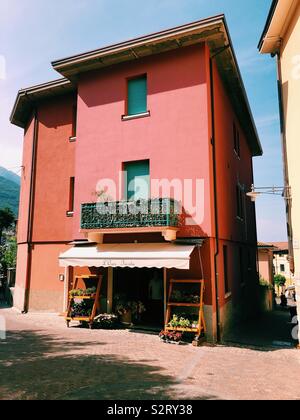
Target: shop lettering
x=117, y=263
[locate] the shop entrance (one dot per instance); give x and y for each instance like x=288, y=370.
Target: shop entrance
x=141, y=289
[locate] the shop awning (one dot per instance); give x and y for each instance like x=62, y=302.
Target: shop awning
x=159, y=255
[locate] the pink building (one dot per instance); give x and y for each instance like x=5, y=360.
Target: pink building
x=125, y=119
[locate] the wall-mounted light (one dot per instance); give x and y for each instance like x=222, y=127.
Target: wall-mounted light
x=257, y=192
x=61, y=277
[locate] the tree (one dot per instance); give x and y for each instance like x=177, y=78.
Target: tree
x=7, y=218
x=9, y=258
x=279, y=280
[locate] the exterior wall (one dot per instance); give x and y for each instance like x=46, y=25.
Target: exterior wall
x=174, y=138
x=46, y=289
x=51, y=227
x=290, y=66
x=265, y=263
x=55, y=166
x=233, y=232
x=25, y=183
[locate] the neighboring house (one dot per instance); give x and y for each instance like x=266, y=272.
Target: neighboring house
x=265, y=262
x=168, y=106
x=281, y=39
x=282, y=262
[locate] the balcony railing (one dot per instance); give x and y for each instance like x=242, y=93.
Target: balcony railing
x=163, y=212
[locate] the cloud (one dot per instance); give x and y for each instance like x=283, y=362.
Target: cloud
x=267, y=120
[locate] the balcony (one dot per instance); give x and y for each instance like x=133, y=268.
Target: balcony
x=155, y=215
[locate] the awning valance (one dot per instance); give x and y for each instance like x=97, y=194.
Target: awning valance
x=159, y=255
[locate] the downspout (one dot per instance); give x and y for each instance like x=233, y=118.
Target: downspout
x=287, y=192
x=30, y=212
x=213, y=142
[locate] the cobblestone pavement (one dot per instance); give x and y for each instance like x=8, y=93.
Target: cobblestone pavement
x=42, y=359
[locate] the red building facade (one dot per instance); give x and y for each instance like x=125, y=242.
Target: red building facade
x=197, y=127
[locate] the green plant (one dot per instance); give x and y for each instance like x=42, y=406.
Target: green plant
x=9, y=254
x=82, y=309
x=7, y=218
x=279, y=280
x=265, y=283
x=179, y=322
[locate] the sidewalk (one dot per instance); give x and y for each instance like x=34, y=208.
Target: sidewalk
x=42, y=359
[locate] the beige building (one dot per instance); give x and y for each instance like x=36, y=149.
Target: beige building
x=265, y=262
x=281, y=262
x=281, y=38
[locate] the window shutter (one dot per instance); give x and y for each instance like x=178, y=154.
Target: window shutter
x=137, y=96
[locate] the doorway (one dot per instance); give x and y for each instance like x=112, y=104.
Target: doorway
x=145, y=286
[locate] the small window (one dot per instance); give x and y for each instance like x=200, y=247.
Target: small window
x=137, y=96
x=226, y=274
x=70, y=212
x=236, y=140
x=282, y=268
x=240, y=202
x=74, y=123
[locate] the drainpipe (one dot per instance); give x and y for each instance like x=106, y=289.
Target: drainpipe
x=213, y=142
x=30, y=212
x=287, y=192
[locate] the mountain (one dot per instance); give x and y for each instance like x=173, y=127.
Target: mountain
x=9, y=190
x=11, y=176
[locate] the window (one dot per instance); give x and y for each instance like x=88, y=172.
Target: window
x=282, y=268
x=70, y=212
x=236, y=140
x=226, y=276
x=137, y=96
x=74, y=123
x=137, y=184
x=240, y=202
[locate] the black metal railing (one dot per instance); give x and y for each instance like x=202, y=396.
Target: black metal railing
x=163, y=212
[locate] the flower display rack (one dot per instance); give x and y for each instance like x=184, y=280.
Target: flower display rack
x=201, y=325
x=93, y=298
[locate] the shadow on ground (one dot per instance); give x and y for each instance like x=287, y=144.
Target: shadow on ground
x=271, y=331
x=35, y=366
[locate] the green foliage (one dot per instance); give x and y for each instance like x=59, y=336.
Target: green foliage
x=280, y=280
x=8, y=254
x=265, y=283
x=9, y=195
x=7, y=218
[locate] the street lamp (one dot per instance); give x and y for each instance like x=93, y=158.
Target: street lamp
x=257, y=192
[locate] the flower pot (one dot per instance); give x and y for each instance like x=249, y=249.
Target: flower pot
x=127, y=318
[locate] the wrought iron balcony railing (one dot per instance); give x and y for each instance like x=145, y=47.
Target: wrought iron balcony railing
x=163, y=212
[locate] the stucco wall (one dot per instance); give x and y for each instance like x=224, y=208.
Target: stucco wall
x=290, y=63
x=174, y=138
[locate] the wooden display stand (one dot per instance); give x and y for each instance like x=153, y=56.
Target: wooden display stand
x=95, y=297
x=201, y=328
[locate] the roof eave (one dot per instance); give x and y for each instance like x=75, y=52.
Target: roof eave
x=27, y=98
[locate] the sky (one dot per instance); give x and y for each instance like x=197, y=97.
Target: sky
x=35, y=32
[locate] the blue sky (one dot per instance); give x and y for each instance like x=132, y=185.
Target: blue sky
x=35, y=32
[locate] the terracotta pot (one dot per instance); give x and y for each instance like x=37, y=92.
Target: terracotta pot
x=127, y=318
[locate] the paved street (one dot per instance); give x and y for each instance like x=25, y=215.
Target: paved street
x=42, y=359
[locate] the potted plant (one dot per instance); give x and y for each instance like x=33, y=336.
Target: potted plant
x=124, y=312
x=171, y=337
x=137, y=309
x=106, y=321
